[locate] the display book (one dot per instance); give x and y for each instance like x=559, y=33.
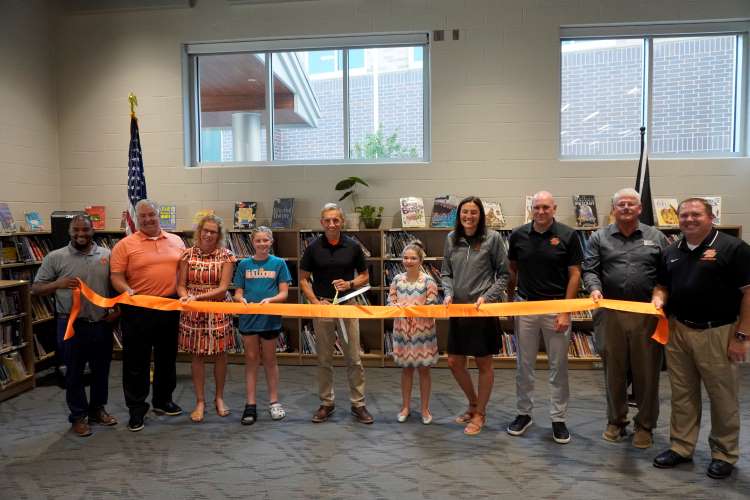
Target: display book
x=16, y=344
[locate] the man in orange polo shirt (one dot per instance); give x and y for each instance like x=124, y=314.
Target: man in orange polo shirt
x=145, y=263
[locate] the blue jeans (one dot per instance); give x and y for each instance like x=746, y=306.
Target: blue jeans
x=91, y=344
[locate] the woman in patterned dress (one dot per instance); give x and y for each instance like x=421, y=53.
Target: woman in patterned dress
x=205, y=272
x=414, y=339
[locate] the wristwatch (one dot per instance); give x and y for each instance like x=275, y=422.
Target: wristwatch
x=742, y=337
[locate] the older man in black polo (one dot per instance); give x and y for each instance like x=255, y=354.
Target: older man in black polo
x=705, y=284
x=328, y=268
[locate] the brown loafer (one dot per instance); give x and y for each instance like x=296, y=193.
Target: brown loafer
x=81, y=428
x=101, y=417
x=363, y=416
x=323, y=413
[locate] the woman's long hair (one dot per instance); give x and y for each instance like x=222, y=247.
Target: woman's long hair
x=458, y=230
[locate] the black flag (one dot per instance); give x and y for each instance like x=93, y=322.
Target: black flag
x=643, y=183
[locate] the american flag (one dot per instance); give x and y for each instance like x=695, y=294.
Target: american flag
x=136, y=179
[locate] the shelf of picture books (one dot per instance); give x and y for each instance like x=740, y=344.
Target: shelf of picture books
x=16, y=340
x=382, y=248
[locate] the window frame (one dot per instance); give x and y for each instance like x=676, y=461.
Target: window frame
x=191, y=95
x=648, y=33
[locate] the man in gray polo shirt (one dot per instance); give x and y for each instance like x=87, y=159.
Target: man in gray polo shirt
x=622, y=262
x=92, y=342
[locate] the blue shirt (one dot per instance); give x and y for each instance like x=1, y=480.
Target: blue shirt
x=260, y=280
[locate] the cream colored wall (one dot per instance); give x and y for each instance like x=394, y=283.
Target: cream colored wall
x=29, y=169
x=495, y=106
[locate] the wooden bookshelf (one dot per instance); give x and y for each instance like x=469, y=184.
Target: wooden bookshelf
x=18, y=319
x=289, y=244
x=41, y=310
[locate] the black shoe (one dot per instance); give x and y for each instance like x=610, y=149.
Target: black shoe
x=719, y=469
x=250, y=415
x=136, y=423
x=519, y=425
x=669, y=459
x=169, y=408
x=560, y=433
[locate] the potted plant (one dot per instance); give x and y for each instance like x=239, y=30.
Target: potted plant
x=369, y=215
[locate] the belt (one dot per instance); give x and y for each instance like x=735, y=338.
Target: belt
x=705, y=325
x=83, y=320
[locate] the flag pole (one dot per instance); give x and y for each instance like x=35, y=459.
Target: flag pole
x=133, y=100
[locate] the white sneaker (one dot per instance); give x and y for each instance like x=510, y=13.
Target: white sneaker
x=277, y=411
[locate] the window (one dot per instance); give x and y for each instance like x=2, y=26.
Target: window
x=685, y=88
x=332, y=100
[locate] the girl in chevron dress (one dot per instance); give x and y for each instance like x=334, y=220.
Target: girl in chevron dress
x=414, y=339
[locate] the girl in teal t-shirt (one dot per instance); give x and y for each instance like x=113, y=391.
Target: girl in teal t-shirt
x=262, y=278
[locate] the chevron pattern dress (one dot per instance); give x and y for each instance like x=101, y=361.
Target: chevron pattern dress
x=414, y=339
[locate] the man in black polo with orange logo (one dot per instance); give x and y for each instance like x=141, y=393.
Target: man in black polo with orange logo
x=705, y=284
x=545, y=260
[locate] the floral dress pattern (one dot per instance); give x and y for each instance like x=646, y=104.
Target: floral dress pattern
x=206, y=333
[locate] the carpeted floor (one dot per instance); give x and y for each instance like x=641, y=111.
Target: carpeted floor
x=294, y=458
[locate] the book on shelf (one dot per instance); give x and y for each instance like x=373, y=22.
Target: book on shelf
x=10, y=302
x=7, y=224
x=412, y=212
x=244, y=214
x=585, y=210
x=8, y=252
x=98, y=216
x=493, y=214
x=444, y=211
x=39, y=350
x=665, y=210
x=13, y=363
x=10, y=334
x=282, y=216
x=41, y=307
x=168, y=217
x=200, y=214
x=396, y=241
x=124, y=220
x=715, y=202
x=33, y=221
x=528, y=215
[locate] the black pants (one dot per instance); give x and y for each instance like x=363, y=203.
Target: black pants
x=92, y=344
x=144, y=330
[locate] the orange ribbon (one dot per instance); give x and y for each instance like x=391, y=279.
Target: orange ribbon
x=661, y=334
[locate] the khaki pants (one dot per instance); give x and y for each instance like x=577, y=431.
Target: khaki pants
x=701, y=355
x=528, y=329
x=325, y=338
x=628, y=344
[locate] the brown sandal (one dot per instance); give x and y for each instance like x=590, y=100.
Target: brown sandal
x=466, y=416
x=475, y=425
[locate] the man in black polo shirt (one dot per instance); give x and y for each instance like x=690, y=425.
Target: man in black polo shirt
x=328, y=267
x=545, y=261
x=705, y=284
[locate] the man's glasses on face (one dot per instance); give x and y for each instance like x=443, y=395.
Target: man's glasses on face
x=626, y=204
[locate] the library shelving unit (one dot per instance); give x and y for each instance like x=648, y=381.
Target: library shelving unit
x=382, y=263
x=16, y=339
x=21, y=254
